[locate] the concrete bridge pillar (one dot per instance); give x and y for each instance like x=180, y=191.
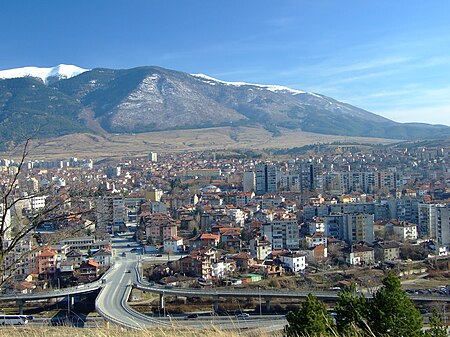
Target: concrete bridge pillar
x=20, y=304
x=268, y=304
x=216, y=303
x=161, y=301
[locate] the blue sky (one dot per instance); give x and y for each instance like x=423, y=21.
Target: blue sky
x=389, y=57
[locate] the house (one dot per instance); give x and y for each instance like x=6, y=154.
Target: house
x=317, y=239
x=66, y=273
x=359, y=255
x=158, y=227
x=74, y=256
x=387, y=251
x=102, y=257
x=272, y=269
x=46, y=260
x=220, y=268
x=243, y=261
x=88, y=271
x=436, y=249
x=232, y=243
x=317, y=253
x=402, y=230
x=294, y=261
x=199, y=263
x=203, y=241
x=209, y=240
x=24, y=287
x=316, y=225
x=250, y=278
x=260, y=248
x=173, y=245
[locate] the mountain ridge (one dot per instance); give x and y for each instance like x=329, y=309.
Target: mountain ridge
x=47, y=75
x=150, y=98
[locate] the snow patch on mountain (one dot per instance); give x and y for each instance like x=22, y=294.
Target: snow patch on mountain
x=62, y=71
x=270, y=87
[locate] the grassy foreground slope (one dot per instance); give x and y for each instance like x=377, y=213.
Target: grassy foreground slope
x=118, y=332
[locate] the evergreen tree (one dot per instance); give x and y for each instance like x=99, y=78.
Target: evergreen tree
x=392, y=313
x=351, y=311
x=437, y=326
x=312, y=319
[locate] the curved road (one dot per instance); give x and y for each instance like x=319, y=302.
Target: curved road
x=112, y=300
x=111, y=303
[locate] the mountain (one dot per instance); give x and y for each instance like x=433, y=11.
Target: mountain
x=68, y=99
x=47, y=75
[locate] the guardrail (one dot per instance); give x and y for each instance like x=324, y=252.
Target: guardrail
x=135, y=313
x=54, y=292
x=232, y=292
x=80, y=289
x=144, y=286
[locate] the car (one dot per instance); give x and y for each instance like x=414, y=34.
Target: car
x=242, y=315
x=191, y=316
x=127, y=271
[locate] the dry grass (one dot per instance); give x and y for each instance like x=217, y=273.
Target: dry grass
x=118, y=332
x=225, y=138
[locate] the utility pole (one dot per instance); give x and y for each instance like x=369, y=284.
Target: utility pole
x=260, y=306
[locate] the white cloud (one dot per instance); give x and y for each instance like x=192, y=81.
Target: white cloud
x=369, y=64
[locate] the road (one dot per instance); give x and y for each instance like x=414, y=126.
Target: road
x=111, y=303
x=55, y=293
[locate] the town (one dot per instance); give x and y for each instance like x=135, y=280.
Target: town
x=232, y=220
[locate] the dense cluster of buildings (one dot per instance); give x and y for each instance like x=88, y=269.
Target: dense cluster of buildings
x=240, y=219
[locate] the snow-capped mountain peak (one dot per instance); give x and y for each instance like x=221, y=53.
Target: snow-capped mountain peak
x=62, y=71
x=270, y=87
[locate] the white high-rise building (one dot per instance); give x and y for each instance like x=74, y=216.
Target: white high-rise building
x=427, y=220
x=153, y=157
x=249, y=182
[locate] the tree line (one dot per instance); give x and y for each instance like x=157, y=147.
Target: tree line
x=390, y=312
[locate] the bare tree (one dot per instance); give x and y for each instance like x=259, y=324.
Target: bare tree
x=62, y=205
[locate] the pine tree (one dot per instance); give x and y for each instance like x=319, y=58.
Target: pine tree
x=312, y=319
x=351, y=311
x=437, y=326
x=391, y=312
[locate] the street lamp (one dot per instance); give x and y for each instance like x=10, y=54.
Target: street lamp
x=68, y=305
